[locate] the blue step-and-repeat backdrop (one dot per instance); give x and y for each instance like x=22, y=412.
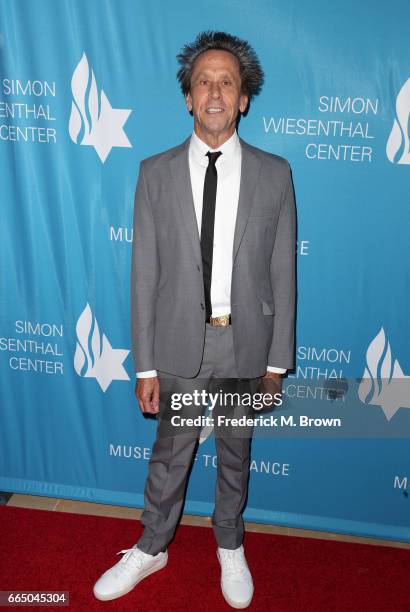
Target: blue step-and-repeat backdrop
x=88, y=89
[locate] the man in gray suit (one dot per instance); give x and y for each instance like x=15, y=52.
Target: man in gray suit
x=213, y=298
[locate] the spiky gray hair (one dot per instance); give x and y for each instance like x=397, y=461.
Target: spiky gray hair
x=249, y=66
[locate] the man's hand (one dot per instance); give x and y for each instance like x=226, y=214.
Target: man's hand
x=270, y=384
x=147, y=393
x=273, y=375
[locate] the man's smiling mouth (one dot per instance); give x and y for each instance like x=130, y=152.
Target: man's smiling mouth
x=214, y=109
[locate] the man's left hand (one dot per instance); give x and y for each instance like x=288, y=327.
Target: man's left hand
x=270, y=383
x=273, y=375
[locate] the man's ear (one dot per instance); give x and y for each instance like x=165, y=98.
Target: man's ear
x=188, y=100
x=243, y=102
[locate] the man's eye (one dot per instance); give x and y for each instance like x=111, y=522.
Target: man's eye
x=227, y=82
x=203, y=82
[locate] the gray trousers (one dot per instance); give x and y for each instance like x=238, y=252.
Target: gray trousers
x=172, y=457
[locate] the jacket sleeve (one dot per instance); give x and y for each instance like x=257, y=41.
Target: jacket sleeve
x=144, y=278
x=283, y=279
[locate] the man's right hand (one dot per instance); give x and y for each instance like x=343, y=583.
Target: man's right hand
x=147, y=393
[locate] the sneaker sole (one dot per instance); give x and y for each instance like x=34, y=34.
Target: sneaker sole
x=149, y=571
x=236, y=604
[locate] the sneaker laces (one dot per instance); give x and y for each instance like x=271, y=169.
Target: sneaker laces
x=234, y=563
x=132, y=559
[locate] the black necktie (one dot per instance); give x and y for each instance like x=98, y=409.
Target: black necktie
x=207, y=226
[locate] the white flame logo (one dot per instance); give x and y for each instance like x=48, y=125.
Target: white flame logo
x=383, y=383
x=398, y=144
x=101, y=126
x=96, y=359
x=207, y=429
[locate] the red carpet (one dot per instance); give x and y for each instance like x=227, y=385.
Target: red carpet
x=43, y=550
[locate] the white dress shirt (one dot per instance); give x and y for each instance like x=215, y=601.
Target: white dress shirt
x=228, y=166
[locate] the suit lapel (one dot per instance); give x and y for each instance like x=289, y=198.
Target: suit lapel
x=179, y=166
x=250, y=169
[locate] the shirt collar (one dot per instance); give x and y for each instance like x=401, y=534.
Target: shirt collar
x=199, y=148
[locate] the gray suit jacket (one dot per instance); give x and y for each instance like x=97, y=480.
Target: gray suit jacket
x=167, y=293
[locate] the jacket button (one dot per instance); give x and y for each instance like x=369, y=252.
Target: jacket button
x=198, y=268
x=202, y=306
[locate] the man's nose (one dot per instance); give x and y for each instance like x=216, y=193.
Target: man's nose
x=215, y=90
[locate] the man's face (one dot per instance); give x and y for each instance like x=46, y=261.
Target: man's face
x=215, y=97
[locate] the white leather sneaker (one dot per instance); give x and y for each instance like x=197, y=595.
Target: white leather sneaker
x=122, y=577
x=236, y=579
